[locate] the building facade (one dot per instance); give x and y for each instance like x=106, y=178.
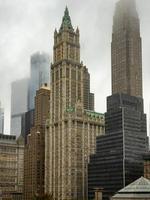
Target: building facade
x=39, y=75
x=1, y=119
x=71, y=129
x=147, y=165
x=27, y=122
x=11, y=165
x=34, y=161
x=19, y=104
x=119, y=154
x=126, y=50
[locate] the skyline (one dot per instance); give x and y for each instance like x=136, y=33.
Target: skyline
x=96, y=55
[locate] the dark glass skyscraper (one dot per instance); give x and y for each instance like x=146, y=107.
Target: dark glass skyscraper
x=119, y=153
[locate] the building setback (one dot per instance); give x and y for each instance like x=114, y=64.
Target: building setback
x=11, y=165
x=35, y=148
x=71, y=129
x=119, y=154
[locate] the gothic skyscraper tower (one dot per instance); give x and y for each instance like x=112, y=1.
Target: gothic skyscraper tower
x=72, y=127
x=126, y=50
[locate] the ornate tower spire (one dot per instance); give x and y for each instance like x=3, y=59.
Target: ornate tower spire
x=66, y=21
x=66, y=42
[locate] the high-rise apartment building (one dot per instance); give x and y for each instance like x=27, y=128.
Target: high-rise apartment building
x=72, y=129
x=11, y=165
x=19, y=104
x=1, y=119
x=34, y=162
x=126, y=50
x=39, y=75
x=119, y=153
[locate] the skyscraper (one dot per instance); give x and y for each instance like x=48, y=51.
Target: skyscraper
x=72, y=128
x=19, y=104
x=119, y=153
x=39, y=75
x=34, y=158
x=126, y=50
x=1, y=119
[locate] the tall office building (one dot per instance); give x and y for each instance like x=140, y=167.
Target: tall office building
x=1, y=119
x=126, y=50
x=39, y=75
x=11, y=166
x=34, y=158
x=72, y=129
x=19, y=104
x=119, y=154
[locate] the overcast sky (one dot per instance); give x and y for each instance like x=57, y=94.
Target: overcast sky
x=27, y=26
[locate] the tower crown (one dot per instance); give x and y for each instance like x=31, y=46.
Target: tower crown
x=66, y=21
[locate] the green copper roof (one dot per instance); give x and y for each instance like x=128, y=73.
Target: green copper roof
x=66, y=21
x=94, y=114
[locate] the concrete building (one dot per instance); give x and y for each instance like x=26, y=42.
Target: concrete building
x=34, y=161
x=39, y=75
x=138, y=190
x=126, y=50
x=11, y=165
x=71, y=129
x=119, y=154
x=1, y=119
x=19, y=104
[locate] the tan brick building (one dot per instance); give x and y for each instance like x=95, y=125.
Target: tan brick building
x=35, y=148
x=11, y=165
x=147, y=165
x=72, y=129
x=126, y=50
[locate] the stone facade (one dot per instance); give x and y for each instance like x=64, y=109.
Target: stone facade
x=35, y=147
x=126, y=50
x=11, y=165
x=71, y=129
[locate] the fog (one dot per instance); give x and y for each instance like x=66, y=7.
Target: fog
x=28, y=26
